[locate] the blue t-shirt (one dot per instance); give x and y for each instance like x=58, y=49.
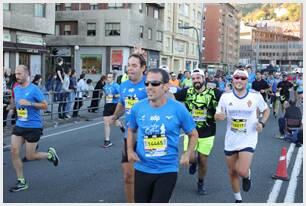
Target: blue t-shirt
x=299, y=83
x=111, y=92
x=158, y=134
x=130, y=94
x=28, y=116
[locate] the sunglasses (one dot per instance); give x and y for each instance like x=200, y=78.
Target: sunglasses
x=153, y=83
x=240, y=77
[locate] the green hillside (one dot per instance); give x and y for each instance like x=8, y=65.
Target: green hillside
x=257, y=12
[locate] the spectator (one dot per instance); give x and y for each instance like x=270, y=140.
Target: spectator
x=97, y=95
x=81, y=88
x=59, y=78
x=292, y=112
x=50, y=88
x=72, y=91
x=62, y=113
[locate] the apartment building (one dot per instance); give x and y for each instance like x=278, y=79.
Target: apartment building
x=180, y=46
x=96, y=38
x=25, y=27
x=221, y=36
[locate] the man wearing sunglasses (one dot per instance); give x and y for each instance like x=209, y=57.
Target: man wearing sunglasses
x=131, y=91
x=240, y=106
x=201, y=102
x=156, y=123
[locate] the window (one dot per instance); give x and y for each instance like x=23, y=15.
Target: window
x=91, y=63
x=67, y=29
x=6, y=7
x=200, y=17
x=58, y=7
x=115, y=5
x=180, y=23
x=181, y=9
x=40, y=10
x=147, y=10
x=57, y=29
x=150, y=34
x=67, y=7
x=186, y=9
x=141, y=31
x=156, y=14
x=159, y=36
x=140, y=8
x=168, y=43
x=112, y=29
x=94, y=7
x=91, y=29
x=194, y=15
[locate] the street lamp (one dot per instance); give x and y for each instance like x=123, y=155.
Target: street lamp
x=199, y=48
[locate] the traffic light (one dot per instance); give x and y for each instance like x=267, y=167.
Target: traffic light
x=54, y=51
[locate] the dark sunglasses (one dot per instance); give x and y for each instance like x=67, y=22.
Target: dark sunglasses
x=240, y=77
x=153, y=83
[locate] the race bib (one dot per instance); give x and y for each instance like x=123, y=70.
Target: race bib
x=199, y=115
x=238, y=125
x=109, y=99
x=129, y=102
x=155, y=146
x=22, y=114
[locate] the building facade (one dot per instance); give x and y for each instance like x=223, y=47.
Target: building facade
x=24, y=35
x=263, y=46
x=180, y=46
x=221, y=36
x=98, y=38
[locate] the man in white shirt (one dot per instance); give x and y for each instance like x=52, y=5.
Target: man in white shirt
x=240, y=106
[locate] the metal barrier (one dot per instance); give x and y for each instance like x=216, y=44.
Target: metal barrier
x=52, y=103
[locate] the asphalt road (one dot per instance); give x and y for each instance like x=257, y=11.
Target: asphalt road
x=88, y=173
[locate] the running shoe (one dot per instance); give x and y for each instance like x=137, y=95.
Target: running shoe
x=238, y=201
x=193, y=167
x=201, y=189
x=107, y=144
x=246, y=182
x=19, y=186
x=54, y=157
x=122, y=126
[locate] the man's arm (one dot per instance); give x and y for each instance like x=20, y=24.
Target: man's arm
x=264, y=119
x=38, y=105
x=193, y=139
x=119, y=111
x=60, y=75
x=130, y=142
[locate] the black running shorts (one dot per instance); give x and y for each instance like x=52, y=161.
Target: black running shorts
x=109, y=109
x=124, y=158
x=31, y=135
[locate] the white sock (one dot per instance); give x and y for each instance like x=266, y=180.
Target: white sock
x=238, y=196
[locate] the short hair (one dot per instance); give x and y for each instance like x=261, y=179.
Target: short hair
x=24, y=67
x=292, y=102
x=88, y=81
x=67, y=69
x=140, y=57
x=82, y=76
x=59, y=59
x=165, y=75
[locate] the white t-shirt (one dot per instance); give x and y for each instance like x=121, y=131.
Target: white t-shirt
x=242, y=119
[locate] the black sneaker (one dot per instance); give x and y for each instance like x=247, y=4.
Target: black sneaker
x=246, y=182
x=107, y=144
x=201, y=189
x=238, y=201
x=54, y=157
x=19, y=187
x=193, y=167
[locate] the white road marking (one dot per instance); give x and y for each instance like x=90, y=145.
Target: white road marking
x=278, y=183
x=62, y=132
x=290, y=194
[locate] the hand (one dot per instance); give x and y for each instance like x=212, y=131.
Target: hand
x=259, y=127
x=24, y=102
x=132, y=156
x=112, y=119
x=185, y=159
x=221, y=115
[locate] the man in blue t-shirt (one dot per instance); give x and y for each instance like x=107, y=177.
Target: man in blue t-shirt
x=131, y=91
x=156, y=121
x=28, y=100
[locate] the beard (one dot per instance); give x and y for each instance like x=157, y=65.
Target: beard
x=198, y=85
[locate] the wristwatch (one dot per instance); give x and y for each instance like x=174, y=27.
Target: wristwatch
x=263, y=124
x=32, y=104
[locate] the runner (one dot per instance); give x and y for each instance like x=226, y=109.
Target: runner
x=284, y=87
x=157, y=121
x=28, y=100
x=240, y=106
x=131, y=91
x=201, y=103
x=111, y=90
